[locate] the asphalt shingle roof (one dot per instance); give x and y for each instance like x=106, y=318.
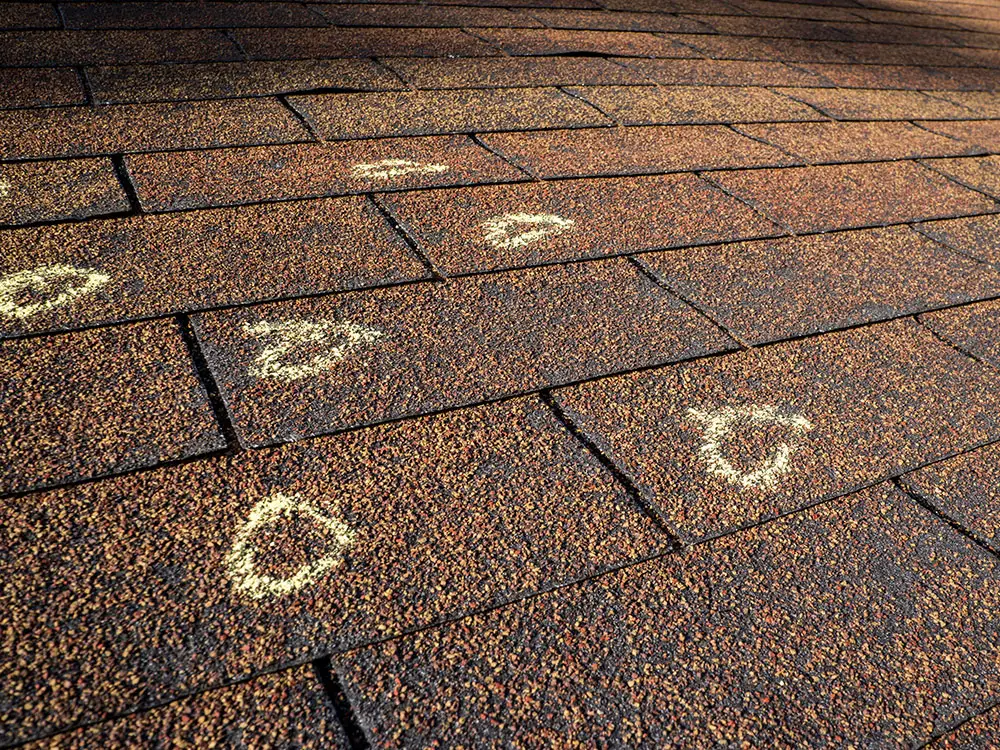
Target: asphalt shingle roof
x=473, y=373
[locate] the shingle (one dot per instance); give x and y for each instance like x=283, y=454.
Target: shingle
x=975, y=236
x=39, y=87
x=185, y=578
x=973, y=328
x=984, y=133
x=908, y=77
x=792, y=28
x=486, y=228
x=218, y=177
x=981, y=172
x=114, y=128
x=418, y=349
x=981, y=732
x=633, y=151
x=775, y=289
x=564, y=41
x=115, y=47
x=966, y=489
x=155, y=265
x=819, y=142
x=876, y=104
x=429, y=112
x=28, y=16
x=856, y=195
x=144, y=83
x=671, y=6
x=986, y=103
x=491, y=72
x=646, y=105
x=866, y=622
x=269, y=711
x=602, y=20
x=722, y=443
x=179, y=15
x=723, y=72
x=422, y=16
x=95, y=402
x=50, y=190
x=816, y=11
x=888, y=33
x=284, y=44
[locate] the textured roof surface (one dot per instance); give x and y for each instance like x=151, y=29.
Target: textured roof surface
x=474, y=373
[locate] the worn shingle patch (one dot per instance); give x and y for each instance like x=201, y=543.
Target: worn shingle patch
x=173, y=181
x=50, y=190
x=143, y=83
x=96, y=402
x=719, y=444
x=638, y=150
x=645, y=105
x=486, y=228
x=975, y=236
x=730, y=645
x=189, y=577
x=870, y=104
x=857, y=195
x=458, y=73
x=76, y=131
x=973, y=328
x=155, y=265
x=288, y=708
x=825, y=142
x=305, y=368
x=774, y=289
x=282, y=44
x=115, y=47
x=426, y=112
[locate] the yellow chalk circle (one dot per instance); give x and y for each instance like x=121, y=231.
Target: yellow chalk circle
x=720, y=423
x=240, y=561
x=388, y=168
x=56, y=284
x=502, y=231
x=339, y=338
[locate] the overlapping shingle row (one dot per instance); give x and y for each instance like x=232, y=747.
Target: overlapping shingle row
x=477, y=372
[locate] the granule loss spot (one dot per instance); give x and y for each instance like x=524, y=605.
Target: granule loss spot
x=24, y=294
x=388, y=168
x=511, y=231
x=241, y=560
x=333, y=339
x=724, y=422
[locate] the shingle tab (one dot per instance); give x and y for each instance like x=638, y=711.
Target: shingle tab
x=826, y=142
x=869, y=104
x=418, y=349
x=52, y=190
x=566, y=41
x=856, y=195
x=647, y=105
x=907, y=77
x=730, y=645
x=428, y=112
x=115, y=128
x=144, y=83
x=723, y=72
x=28, y=16
x=115, y=47
x=422, y=16
x=172, y=181
x=186, y=578
x=975, y=236
x=774, y=289
x=114, y=399
x=981, y=173
x=973, y=328
x=487, y=228
x=156, y=265
x=490, y=72
x=179, y=15
x=598, y=20
x=633, y=151
x=39, y=87
x=290, y=44
x=269, y=711
x=723, y=443
x=982, y=133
